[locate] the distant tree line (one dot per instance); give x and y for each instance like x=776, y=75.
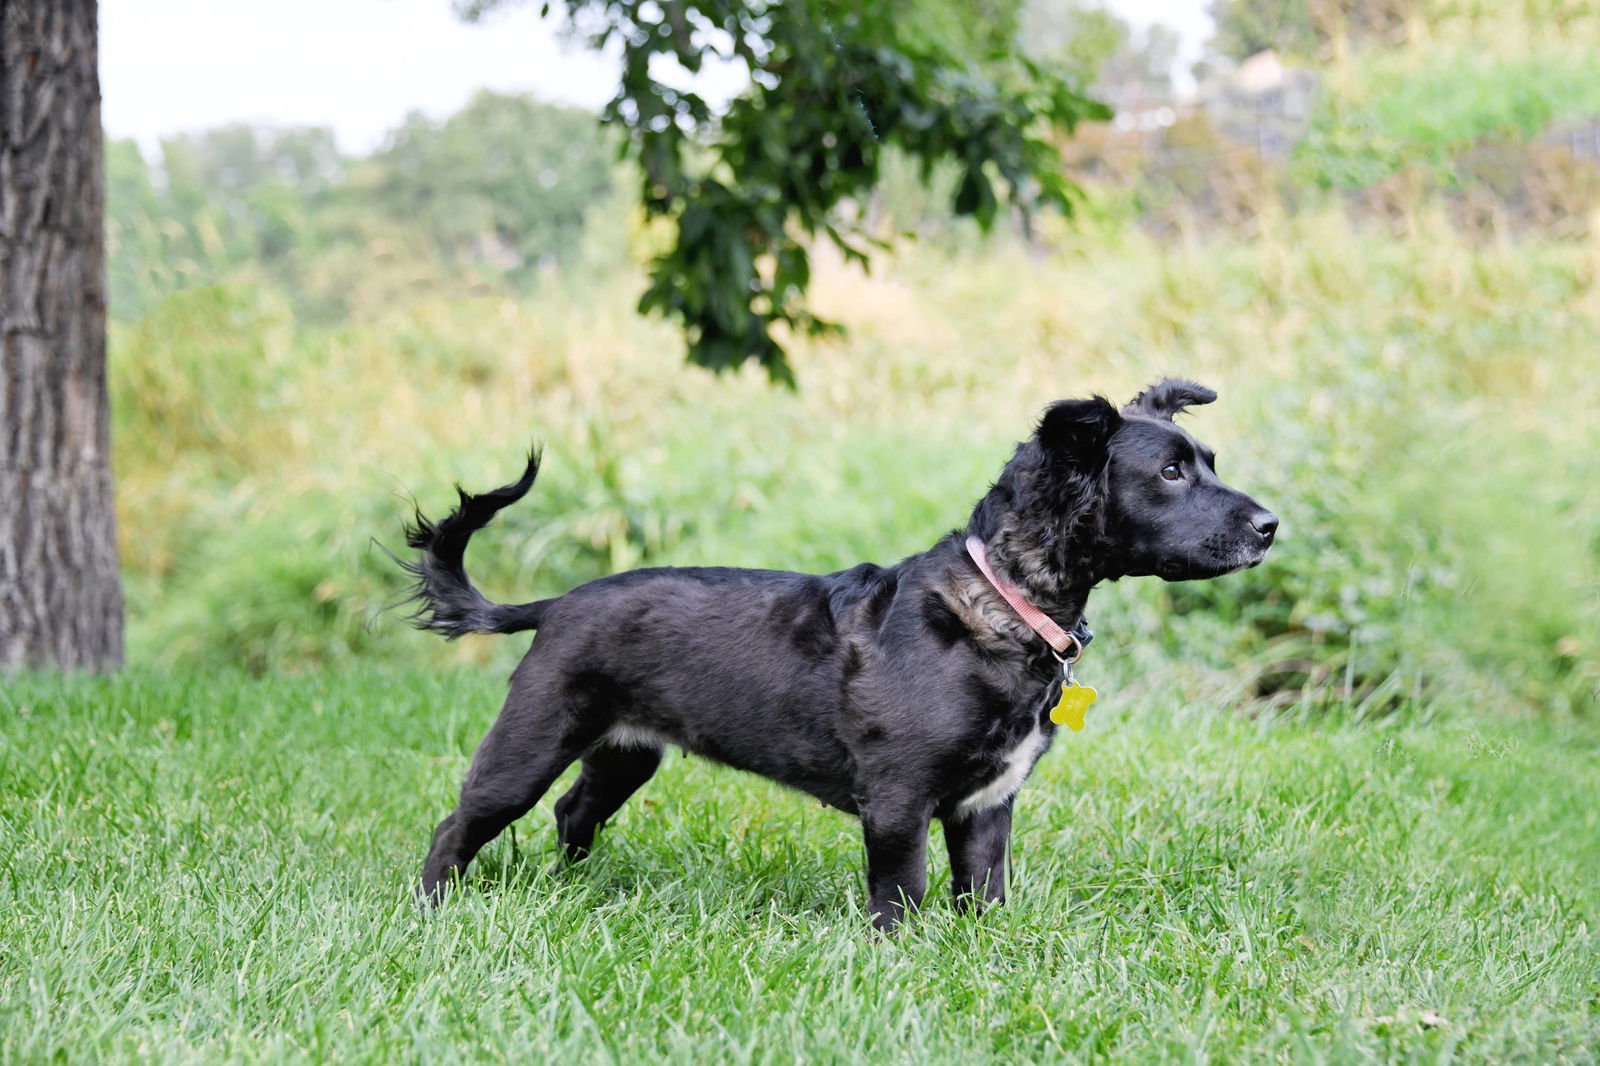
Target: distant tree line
x=501, y=192
x=509, y=189
x=499, y=189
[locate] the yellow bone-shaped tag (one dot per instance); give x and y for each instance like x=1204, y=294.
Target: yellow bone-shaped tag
x=1075, y=699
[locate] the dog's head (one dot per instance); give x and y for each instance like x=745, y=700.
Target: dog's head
x=1168, y=513
x=1098, y=493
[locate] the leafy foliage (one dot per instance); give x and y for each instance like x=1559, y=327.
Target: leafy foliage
x=1245, y=27
x=505, y=178
x=1399, y=114
x=493, y=192
x=1073, y=37
x=1094, y=46
x=218, y=201
x=833, y=84
x=1347, y=366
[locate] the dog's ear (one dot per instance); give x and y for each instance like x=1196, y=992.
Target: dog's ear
x=1078, y=428
x=1169, y=397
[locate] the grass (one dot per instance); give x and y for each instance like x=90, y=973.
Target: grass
x=215, y=868
x=1391, y=859
x=1404, y=406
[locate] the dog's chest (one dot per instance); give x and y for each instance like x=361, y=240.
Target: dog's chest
x=1015, y=765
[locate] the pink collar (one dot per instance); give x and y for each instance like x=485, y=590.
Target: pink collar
x=1054, y=635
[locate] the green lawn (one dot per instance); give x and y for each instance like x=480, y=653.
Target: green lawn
x=217, y=869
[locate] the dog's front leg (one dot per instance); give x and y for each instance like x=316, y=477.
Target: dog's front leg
x=977, y=846
x=897, y=859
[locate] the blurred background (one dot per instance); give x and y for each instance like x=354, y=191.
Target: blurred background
x=383, y=250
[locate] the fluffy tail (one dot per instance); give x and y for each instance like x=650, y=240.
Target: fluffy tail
x=446, y=601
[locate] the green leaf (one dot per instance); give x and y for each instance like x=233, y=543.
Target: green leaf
x=833, y=84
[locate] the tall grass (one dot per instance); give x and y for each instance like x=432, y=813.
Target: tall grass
x=1420, y=413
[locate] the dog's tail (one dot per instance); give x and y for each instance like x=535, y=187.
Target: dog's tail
x=446, y=601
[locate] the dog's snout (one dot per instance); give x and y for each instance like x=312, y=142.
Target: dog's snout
x=1266, y=524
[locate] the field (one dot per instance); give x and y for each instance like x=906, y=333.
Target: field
x=1340, y=808
x=216, y=869
x=1419, y=413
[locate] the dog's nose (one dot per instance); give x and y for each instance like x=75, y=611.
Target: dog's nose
x=1266, y=524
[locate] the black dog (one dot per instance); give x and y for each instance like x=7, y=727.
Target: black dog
x=900, y=694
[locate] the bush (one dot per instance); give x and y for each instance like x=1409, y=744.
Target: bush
x=1413, y=410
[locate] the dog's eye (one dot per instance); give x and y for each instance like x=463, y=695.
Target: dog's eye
x=1171, y=472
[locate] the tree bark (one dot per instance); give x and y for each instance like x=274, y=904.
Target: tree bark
x=60, y=591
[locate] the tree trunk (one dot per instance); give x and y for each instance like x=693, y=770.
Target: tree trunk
x=60, y=592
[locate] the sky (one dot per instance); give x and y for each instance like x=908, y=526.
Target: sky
x=360, y=66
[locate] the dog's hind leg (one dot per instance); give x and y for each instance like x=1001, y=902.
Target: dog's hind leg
x=611, y=773
x=977, y=845
x=526, y=749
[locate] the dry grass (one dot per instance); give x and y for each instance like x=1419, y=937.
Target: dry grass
x=1420, y=412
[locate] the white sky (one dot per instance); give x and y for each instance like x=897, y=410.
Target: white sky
x=359, y=66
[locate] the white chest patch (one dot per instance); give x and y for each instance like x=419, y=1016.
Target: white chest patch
x=1004, y=786
x=626, y=735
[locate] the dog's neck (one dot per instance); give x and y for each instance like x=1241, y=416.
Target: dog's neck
x=1052, y=552
x=1033, y=569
